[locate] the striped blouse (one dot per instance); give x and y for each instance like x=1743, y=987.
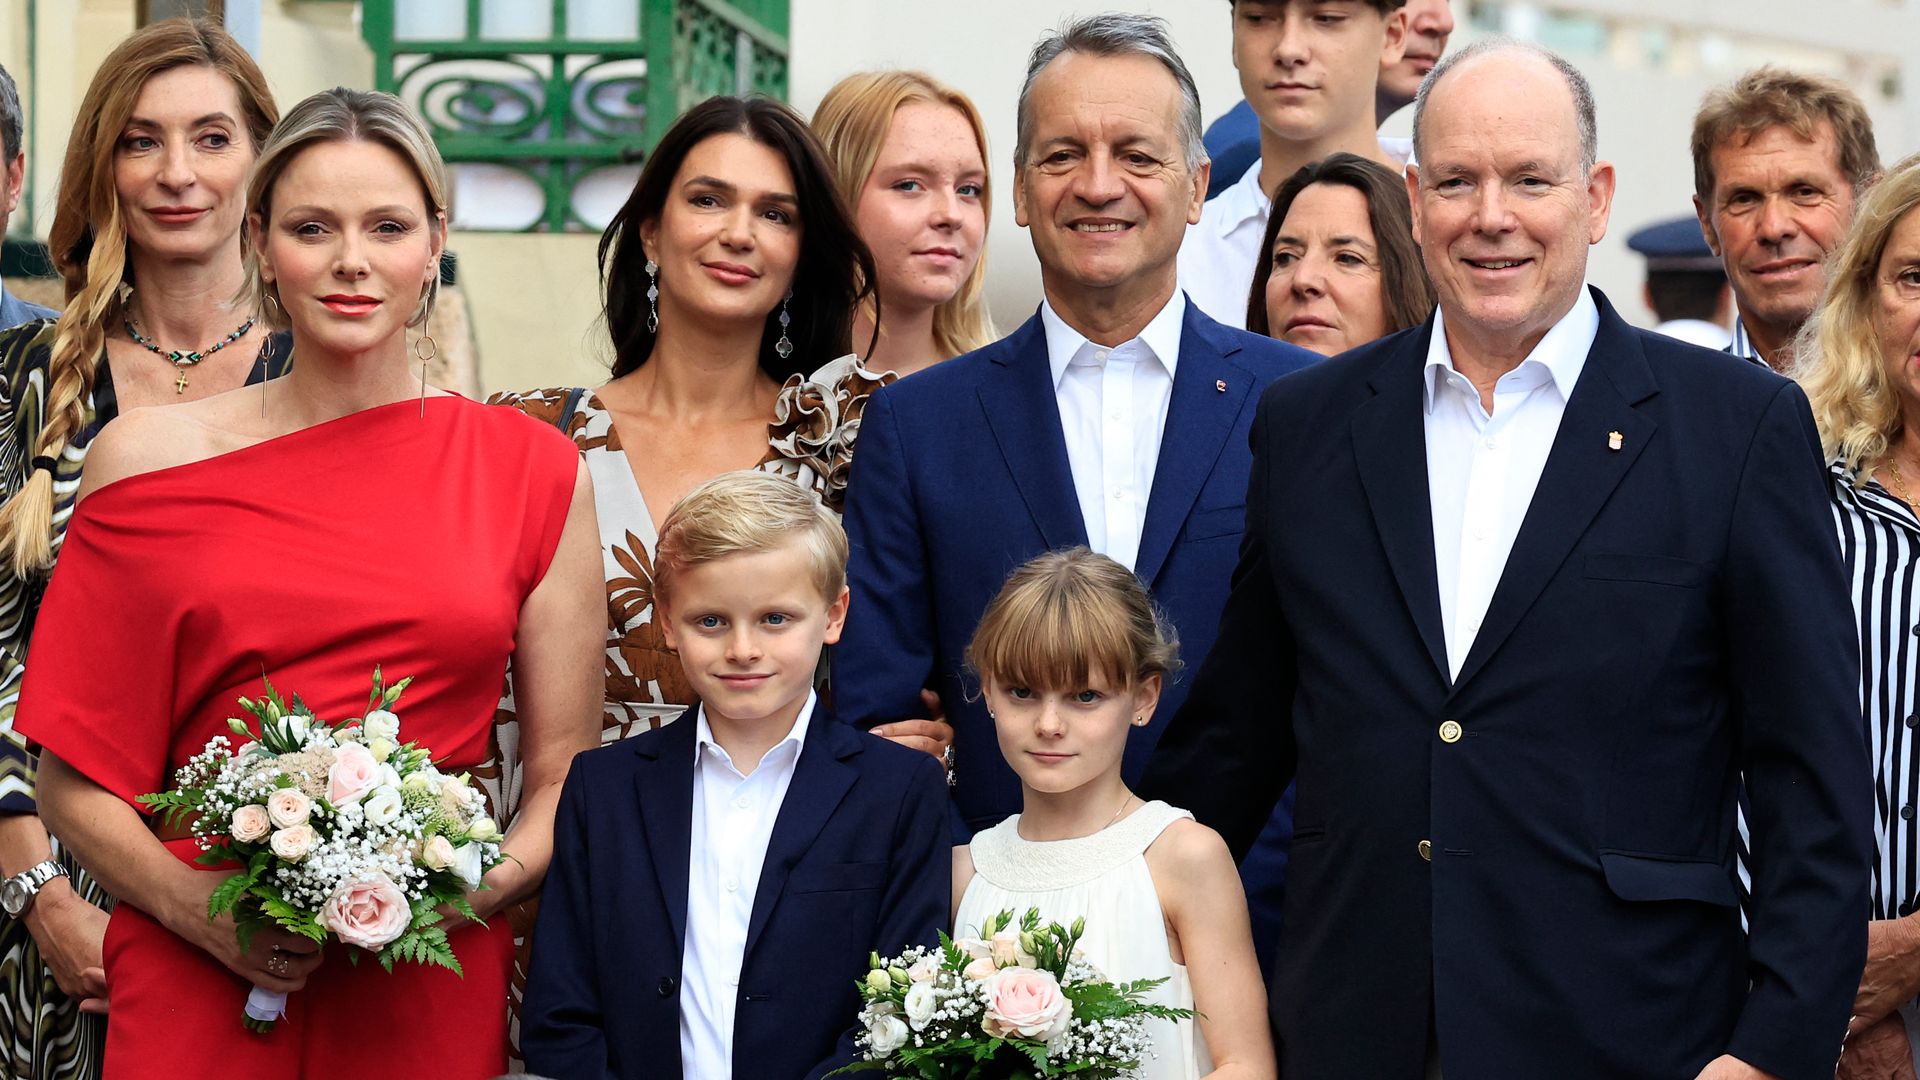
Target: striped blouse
x=1880, y=539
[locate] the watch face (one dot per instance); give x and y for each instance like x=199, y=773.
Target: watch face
x=13, y=896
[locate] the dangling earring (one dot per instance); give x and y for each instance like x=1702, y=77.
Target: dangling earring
x=785, y=345
x=653, y=297
x=265, y=347
x=426, y=350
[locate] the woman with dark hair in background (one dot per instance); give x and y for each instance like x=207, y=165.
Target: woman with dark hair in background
x=1342, y=268
x=146, y=237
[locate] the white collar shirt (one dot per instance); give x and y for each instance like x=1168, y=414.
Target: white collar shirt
x=1482, y=468
x=1742, y=346
x=1220, y=252
x=733, y=817
x=1113, y=409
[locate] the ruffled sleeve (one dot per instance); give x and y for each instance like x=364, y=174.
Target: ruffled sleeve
x=817, y=419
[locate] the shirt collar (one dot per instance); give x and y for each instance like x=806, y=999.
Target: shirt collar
x=1563, y=351
x=1243, y=202
x=1742, y=345
x=1161, y=338
x=704, y=743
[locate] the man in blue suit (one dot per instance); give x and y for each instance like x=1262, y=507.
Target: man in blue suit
x=1525, y=591
x=13, y=172
x=1116, y=418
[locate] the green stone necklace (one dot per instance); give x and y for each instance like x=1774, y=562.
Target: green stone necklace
x=184, y=360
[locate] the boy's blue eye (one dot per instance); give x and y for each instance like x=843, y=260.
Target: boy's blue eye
x=777, y=619
x=709, y=622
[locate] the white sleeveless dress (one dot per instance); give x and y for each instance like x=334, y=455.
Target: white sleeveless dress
x=1103, y=877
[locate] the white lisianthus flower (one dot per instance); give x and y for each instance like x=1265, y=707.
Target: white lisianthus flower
x=887, y=1035
x=294, y=844
x=389, y=776
x=467, y=865
x=383, y=805
x=419, y=781
x=289, y=807
x=483, y=829
x=382, y=724
x=921, y=1002
x=382, y=748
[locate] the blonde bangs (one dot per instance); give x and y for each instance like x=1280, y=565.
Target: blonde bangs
x=1067, y=619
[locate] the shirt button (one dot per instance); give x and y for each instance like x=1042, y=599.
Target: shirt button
x=1100, y=354
x=1906, y=812
x=1492, y=444
x=733, y=885
x=1426, y=850
x=1450, y=732
x=1906, y=909
x=740, y=804
x=1913, y=721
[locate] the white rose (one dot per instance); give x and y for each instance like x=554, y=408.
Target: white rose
x=886, y=1034
x=438, y=854
x=382, y=748
x=483, y=829
x=383, y=805
x=382, y=724
x=294, y=844
x=289, y=807
x=467, y=865
x=921, y=1001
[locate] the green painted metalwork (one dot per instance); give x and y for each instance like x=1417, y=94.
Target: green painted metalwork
x=557, y=109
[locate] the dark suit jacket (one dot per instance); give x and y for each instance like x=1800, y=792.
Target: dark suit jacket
x=1673, y=613
x=858, y=863
x=962, y=475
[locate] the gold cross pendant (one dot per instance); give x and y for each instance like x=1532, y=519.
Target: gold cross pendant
x=180, y=384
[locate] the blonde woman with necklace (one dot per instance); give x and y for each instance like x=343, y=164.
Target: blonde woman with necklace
x=146, y=234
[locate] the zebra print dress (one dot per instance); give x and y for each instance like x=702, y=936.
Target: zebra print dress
x=43, y=1034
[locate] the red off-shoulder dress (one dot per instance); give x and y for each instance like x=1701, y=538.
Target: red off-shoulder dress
x=383, y=537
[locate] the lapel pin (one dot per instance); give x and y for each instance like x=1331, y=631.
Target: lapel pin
x=1220, y=385
x=1615, y=440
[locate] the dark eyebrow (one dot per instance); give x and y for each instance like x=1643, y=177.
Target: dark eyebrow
x=210, y=118
x=730, y=188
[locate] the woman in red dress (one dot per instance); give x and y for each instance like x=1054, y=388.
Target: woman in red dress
x=342, y=517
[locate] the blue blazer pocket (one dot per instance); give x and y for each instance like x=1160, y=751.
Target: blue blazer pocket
x=1653, y=569
x=1217, y=521
x=837, y=877
x=1652, y=877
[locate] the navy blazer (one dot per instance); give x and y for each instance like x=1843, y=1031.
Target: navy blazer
x=1534, y=860
x=962, y=475
x=858, y=863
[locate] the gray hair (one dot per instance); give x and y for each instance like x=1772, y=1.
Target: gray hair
x=1116, y=33
x=9, y=117
x=1583, y=109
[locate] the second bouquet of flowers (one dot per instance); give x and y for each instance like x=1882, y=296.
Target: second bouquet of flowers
x=1011, y=1003
x=338, y=830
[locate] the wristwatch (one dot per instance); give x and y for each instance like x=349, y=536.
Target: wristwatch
x=18, y=891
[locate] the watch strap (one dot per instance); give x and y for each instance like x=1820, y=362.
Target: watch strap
x=37, y=875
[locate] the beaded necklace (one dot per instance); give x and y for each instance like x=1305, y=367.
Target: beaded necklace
x=184, y=360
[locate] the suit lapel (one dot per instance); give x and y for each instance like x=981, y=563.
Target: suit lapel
x=1580, y=475
x=1390, y=446
x=665, y=788
x=1208, y=392
x=1018, y=398
x=820, y=781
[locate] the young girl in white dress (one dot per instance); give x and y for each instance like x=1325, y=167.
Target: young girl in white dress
x=1070, y=656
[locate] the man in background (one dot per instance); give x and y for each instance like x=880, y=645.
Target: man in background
x=1686, y=283
x=13, y=310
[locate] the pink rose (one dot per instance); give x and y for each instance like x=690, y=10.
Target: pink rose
x=980, y=970
x=438, y=854
x=1026, y=1003
x=370, y=912
x=250, y=824
x=354, y=773
x=925, y=970
x=1007, y=951
x=294, y=844
x=289, y=807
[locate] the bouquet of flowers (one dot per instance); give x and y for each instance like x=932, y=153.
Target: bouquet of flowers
x=1012, y=1003
x=338, y=829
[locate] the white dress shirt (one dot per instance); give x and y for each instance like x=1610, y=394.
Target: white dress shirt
x=1113, y=408
x=733, y=818
x=1219, y=254
x=1482, y=468
x=1707, y=335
